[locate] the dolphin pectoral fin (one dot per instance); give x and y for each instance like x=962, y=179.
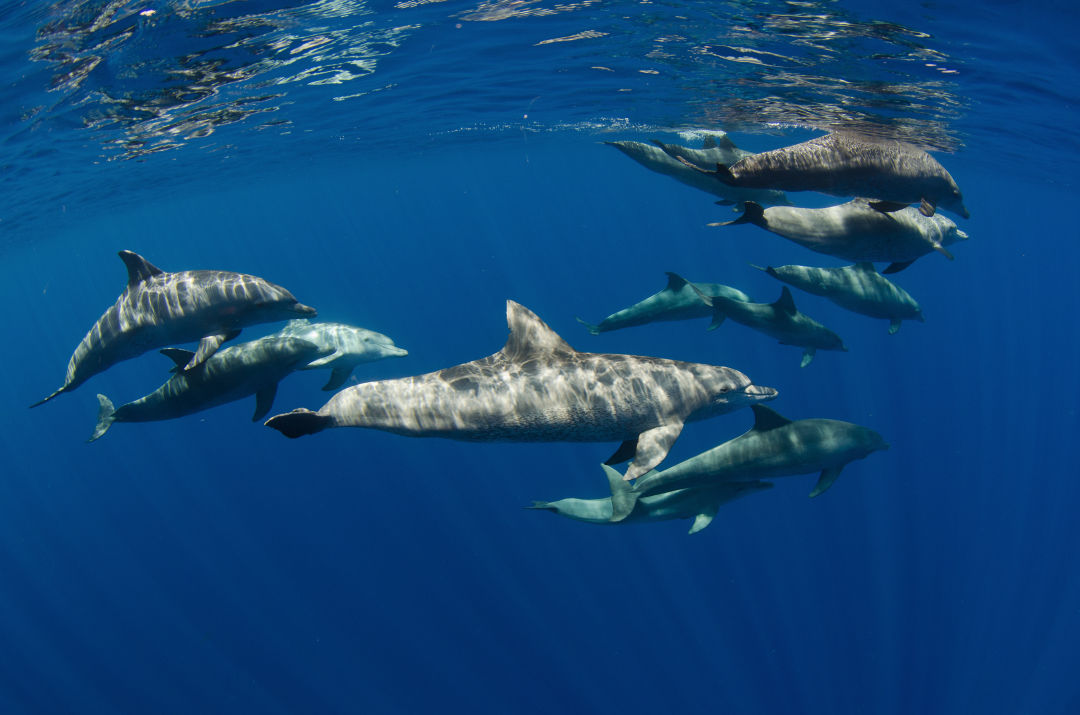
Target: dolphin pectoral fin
x=625, y=451
x=208, y=346
x=264, y=400
x=43, y=400
x=542, y=505
x=807, y=357
x=897, y=267
x=594, y=329
x=652, y=447
x=926, y=208
x=828, y=476
x=324, y=360
x=887, y=207
x=718, y=318
x=623, y=496
x=894, y=325
x=944, y=251
x=704, y=518
x=338, y=376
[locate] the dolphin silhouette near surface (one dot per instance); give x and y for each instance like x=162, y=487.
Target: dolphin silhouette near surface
x=539, y=389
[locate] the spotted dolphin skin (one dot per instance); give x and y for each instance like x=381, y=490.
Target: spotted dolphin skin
x=774, y=447
x=859, y=288
x=843, y=164
x=252, y=368
x=857, y=232
x=350, y=346
x=158, y=309
x=699, y=504
x=539, y=389
x=678, y=301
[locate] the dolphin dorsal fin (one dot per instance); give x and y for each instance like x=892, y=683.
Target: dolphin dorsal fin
x=675, y=282
x=529, y=336
x=139, y=269
x=179, y=356
x=766, y=419
x=785, y=303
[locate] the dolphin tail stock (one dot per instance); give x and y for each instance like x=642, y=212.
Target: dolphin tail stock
x=42, y=401
x=753, y=212
x=106, y=416
x=623, y=496
x=594, y=329
x=299, y=422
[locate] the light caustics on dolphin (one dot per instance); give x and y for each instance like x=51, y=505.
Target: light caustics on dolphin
x=539, y=389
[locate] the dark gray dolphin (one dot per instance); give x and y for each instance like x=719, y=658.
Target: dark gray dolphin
x=539, y=389
x=350, y=346
x=668, y=159
x=855, y=231
x=859, y=288
x=780, y=320
x=844, y=164
x=678, y=301
x=252, y=368
x=699, y=504
x=774, y=447
x=158, y=309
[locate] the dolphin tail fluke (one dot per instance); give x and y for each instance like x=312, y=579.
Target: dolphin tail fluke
x=753, y=212
x=106, y=416
x=299, y=423
x=828, y=476
x=46, y=399
x=623, y=496
x=594, y=329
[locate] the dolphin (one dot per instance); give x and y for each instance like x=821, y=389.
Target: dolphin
x=855, y=231
x=351, y=346
x=539, y=389
x=700, y=503
x=252, y=368
x=668, y=159
x=781, y=320
x=158, y=309
x=678, y=301
x=859, y=288
x=893, y=173
x=774, y=447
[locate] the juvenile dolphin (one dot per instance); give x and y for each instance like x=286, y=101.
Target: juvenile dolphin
x=845, y=164
x=158, y=309
x=855, y=231
x=539, y=389
x=781, y=320
x=351, y=346
x=252, y=368
x=859, y=288
x=774, y=447
x=678, y=301
x=700, y=503
x=667, y=159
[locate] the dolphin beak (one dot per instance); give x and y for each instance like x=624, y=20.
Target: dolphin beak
x=759, y=392
x=398, y=352
x=301, y=309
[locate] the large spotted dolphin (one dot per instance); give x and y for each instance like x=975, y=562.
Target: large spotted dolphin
x=158, y=309
x=539, y=389
x=893, y=173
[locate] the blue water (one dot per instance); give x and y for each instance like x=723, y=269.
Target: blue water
x=408, y=167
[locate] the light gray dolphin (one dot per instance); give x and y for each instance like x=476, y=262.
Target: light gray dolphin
x=678, y=301
x=780, y=320
x=699, y=504
x=539, y=389
x=158, y=309
x=667, y=159
x=774, y=447
x=859, y=288
x=252, y=368
x=893, y=173
x=351, y=346
x=855, y=231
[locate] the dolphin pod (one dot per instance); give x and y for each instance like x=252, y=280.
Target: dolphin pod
x=539, y=389
x=158, y=309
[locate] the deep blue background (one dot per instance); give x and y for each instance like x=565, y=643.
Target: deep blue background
x=209, y=565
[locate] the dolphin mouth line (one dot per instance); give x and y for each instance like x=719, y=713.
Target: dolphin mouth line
x=760, y=391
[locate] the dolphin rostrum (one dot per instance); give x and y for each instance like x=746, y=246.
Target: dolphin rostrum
x=539, y=389
x=678, y=301
x=158, y=309
x=857, y=232
x=893, y=173
x=699, y=503
x=351, y=346
x=668, y=159
x=252, y=368
x=859, y=288
x=774, y=447
x=780, y=320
